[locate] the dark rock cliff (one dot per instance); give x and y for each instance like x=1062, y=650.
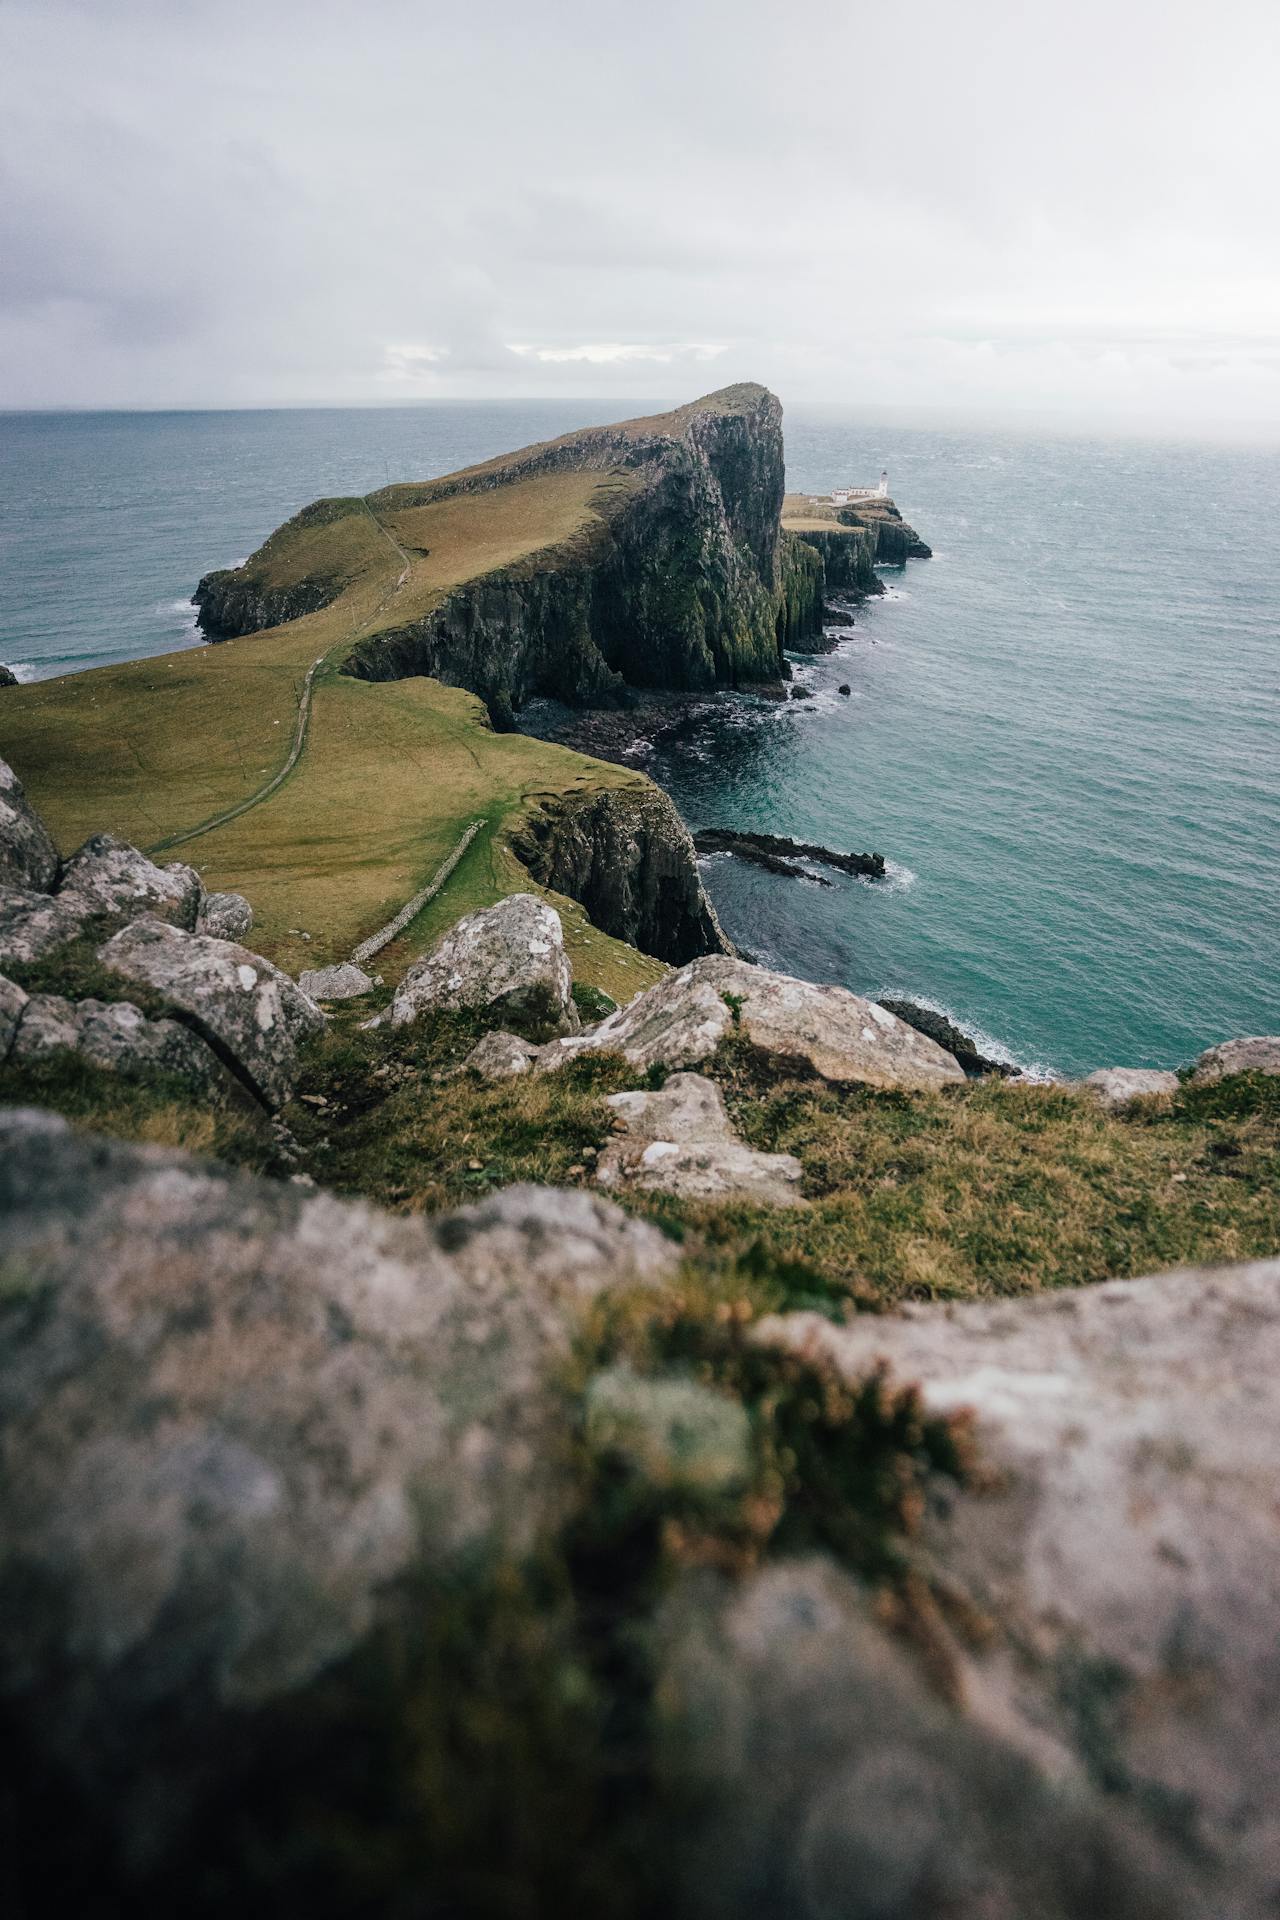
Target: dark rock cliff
x=626, y=856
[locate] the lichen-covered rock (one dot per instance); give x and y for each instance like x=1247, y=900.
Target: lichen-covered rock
x=251, y=1013
x=33, y=925
x=625, y=855
x=807, y=1029
x=235, y=1414
x=1258, y=1055
x=680, y=1140
x=346, y=981
x=28, y=857
x=109, y=877
x=500, y=1056
x=508, y=959
x=117, y=1036
x=12, y=1000
x=1117, y=1086
x=1126, y=1555
x=227, y=916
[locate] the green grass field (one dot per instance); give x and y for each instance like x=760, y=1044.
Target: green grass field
x=391, y=772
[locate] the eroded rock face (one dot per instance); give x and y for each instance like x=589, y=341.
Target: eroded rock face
x=345, y=981
x=250, y=1012
x=28, y=857
x=1128, y=1556
x=8, y=678
x=680, y=1140
x=234, y=1412
x=509, y=958
x=107, y=876
x=227, y=916
x=117, y=1036
x=826, y=1031
x=1258, y=1055
x=625, y=855
x=1117, y=1086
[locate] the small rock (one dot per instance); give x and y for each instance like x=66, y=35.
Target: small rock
x=500, y=1056
x=846, y=690
x=680, y=1140
x=509, y=957
x=1258, y=1055
x=345, y=981
x=1117, y=1086
x=109, y=877
x=802, y=693
x=8, y=678
x=28, y=857
x=227, y=916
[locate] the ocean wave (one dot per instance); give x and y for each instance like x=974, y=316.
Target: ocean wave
x=22, y=670
x=895, y=879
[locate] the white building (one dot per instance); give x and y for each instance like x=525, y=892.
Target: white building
x=843, y=495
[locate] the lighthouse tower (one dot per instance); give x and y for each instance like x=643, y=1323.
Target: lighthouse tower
x=883, y=488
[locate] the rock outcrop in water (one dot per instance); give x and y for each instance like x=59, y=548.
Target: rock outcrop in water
x=626, y=856
x=777, y=853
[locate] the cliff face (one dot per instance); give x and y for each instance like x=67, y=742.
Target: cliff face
x=626, y=856
x=671, y=580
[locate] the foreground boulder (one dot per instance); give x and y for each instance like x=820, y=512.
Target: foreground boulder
x=1258, y=1055
x=1127, y=1559
x=802, y=1028
x=250, y=1012
x=28, y=857
x=107, y=876
x=501, y=1056
x=235, y=1414
x=227, y=916
x=508, y=959
x=12, y=1001
x=680, y=1140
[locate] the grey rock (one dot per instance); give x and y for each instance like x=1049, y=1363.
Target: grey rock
x=12, y=1000
x=500, y=1056
x=509, y=958
x=28, y=857
x=835, y=1784
x=109, y=877
x=8, y=678
x=1258, y=1055
x=673, y=1433
x=117, y=1036
x=33, y=925
x=807, y=1029
x=346, y=981
x=244, y=1007
x=1127, y=1553
x=47, y=1025
x=1117, y=1086
x=680, y=1140
x=227, y=916
x=235, y=1413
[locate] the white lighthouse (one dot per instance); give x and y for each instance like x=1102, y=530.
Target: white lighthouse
x=883, y=488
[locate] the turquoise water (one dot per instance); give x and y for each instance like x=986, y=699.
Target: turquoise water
x=1062, y=731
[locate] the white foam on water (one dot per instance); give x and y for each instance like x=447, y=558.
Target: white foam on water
x=986, y=1043
x=895, y=879
x=22, y=670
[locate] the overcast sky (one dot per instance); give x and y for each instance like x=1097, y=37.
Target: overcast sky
x=999, y=208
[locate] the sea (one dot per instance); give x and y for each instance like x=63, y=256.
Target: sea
x=1062, y=731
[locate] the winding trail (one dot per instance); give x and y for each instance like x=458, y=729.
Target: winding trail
x=264, y=792
x=304, y=715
